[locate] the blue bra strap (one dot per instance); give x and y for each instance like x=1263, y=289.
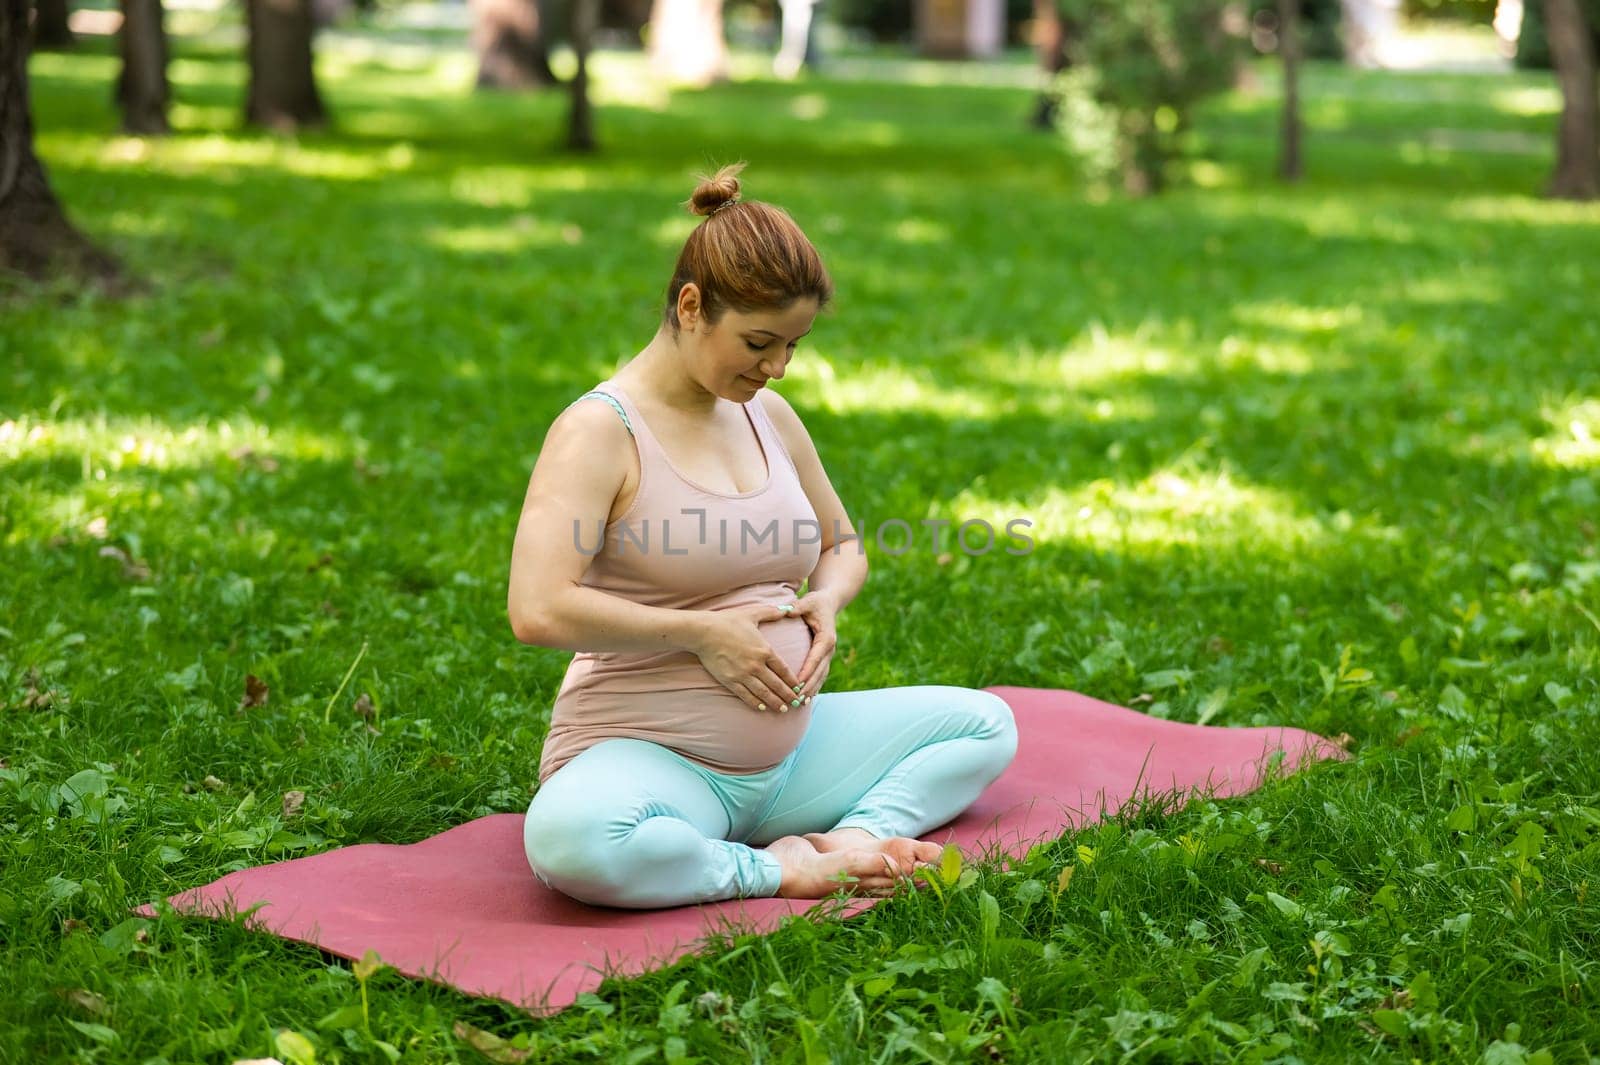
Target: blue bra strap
x=613, y=401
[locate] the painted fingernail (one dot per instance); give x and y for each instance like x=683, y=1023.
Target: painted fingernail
x=807, y=699
x=794, y=702
x=761, y=706
x=797, y=689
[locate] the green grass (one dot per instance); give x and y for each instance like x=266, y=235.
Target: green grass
x=1323, y=457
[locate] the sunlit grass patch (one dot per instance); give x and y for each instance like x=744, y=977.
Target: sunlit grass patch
x=877, y=386
x=1574, y=437
x=1208, y=510
x=110, y=444
x=523, y=232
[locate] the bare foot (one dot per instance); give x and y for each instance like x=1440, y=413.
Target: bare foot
x=907, y=852
x=811, y=874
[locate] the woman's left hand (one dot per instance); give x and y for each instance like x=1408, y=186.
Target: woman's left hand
x=819, y=610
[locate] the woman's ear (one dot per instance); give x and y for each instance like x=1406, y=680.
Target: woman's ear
x=689, y=306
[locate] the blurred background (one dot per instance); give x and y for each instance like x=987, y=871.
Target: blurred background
x=1121, y=82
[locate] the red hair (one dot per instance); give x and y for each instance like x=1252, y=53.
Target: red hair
x=746, y=255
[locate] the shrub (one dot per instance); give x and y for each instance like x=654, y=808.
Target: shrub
x=1137, y=68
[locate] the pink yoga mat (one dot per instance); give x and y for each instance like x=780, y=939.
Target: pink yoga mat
x=463, y=909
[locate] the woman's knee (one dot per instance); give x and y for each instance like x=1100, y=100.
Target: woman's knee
x=560, y=841
x=575, y=823
x=616, y=858
x=993, y=722
x=599, y=847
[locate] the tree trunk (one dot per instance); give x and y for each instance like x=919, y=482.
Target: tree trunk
x=142, y=87
x=1139, y=157
x=1290, y=166
x=580, y=130
x=283, y=87
x=50, y=27
x=509, y=37
x=36, y=240
x=1577, y=175
x=686, y=44
x=1050, y=45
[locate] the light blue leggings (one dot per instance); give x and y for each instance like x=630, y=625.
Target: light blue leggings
x=631, y=823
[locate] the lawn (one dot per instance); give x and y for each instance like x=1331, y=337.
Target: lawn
x=1326, y=456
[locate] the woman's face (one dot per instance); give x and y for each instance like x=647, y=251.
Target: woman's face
x=745, y=350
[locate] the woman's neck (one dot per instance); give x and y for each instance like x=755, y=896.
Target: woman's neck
x=658, y=371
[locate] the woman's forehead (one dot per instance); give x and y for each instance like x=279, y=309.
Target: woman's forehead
x=795, y=318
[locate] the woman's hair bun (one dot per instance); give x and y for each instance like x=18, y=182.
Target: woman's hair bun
x=715, y=191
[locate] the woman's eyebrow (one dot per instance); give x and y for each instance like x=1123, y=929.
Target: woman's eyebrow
x=770, y=333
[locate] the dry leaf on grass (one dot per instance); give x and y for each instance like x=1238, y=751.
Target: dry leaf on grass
x=132, y=569
x=1399, y=1000
x=489, y=1045
x=84, y=999
x=249, y=456
x=255, y=693
x=34, y=698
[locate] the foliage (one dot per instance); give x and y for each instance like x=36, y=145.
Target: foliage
x=1533, y=44
x=883, y=20
x=1326, y=457
x=1480, y=11
x=1137, y=70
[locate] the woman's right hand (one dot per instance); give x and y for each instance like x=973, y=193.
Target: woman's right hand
x=734, y=651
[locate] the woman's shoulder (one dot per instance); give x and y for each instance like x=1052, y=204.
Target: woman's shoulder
x=783, y=415
x=591, y=433
x=597, y=411
x=792, y=432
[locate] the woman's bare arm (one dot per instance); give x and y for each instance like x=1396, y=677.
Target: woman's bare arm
x=842, y=569
x=575, y=481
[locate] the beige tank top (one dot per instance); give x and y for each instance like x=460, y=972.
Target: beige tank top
x=679, y=545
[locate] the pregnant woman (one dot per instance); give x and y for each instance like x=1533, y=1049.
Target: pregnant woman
x=669, y=524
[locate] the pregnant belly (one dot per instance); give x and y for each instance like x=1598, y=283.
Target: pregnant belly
x=671, y=699
x=789, y=638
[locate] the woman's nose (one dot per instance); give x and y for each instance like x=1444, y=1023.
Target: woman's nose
x=774, y=368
